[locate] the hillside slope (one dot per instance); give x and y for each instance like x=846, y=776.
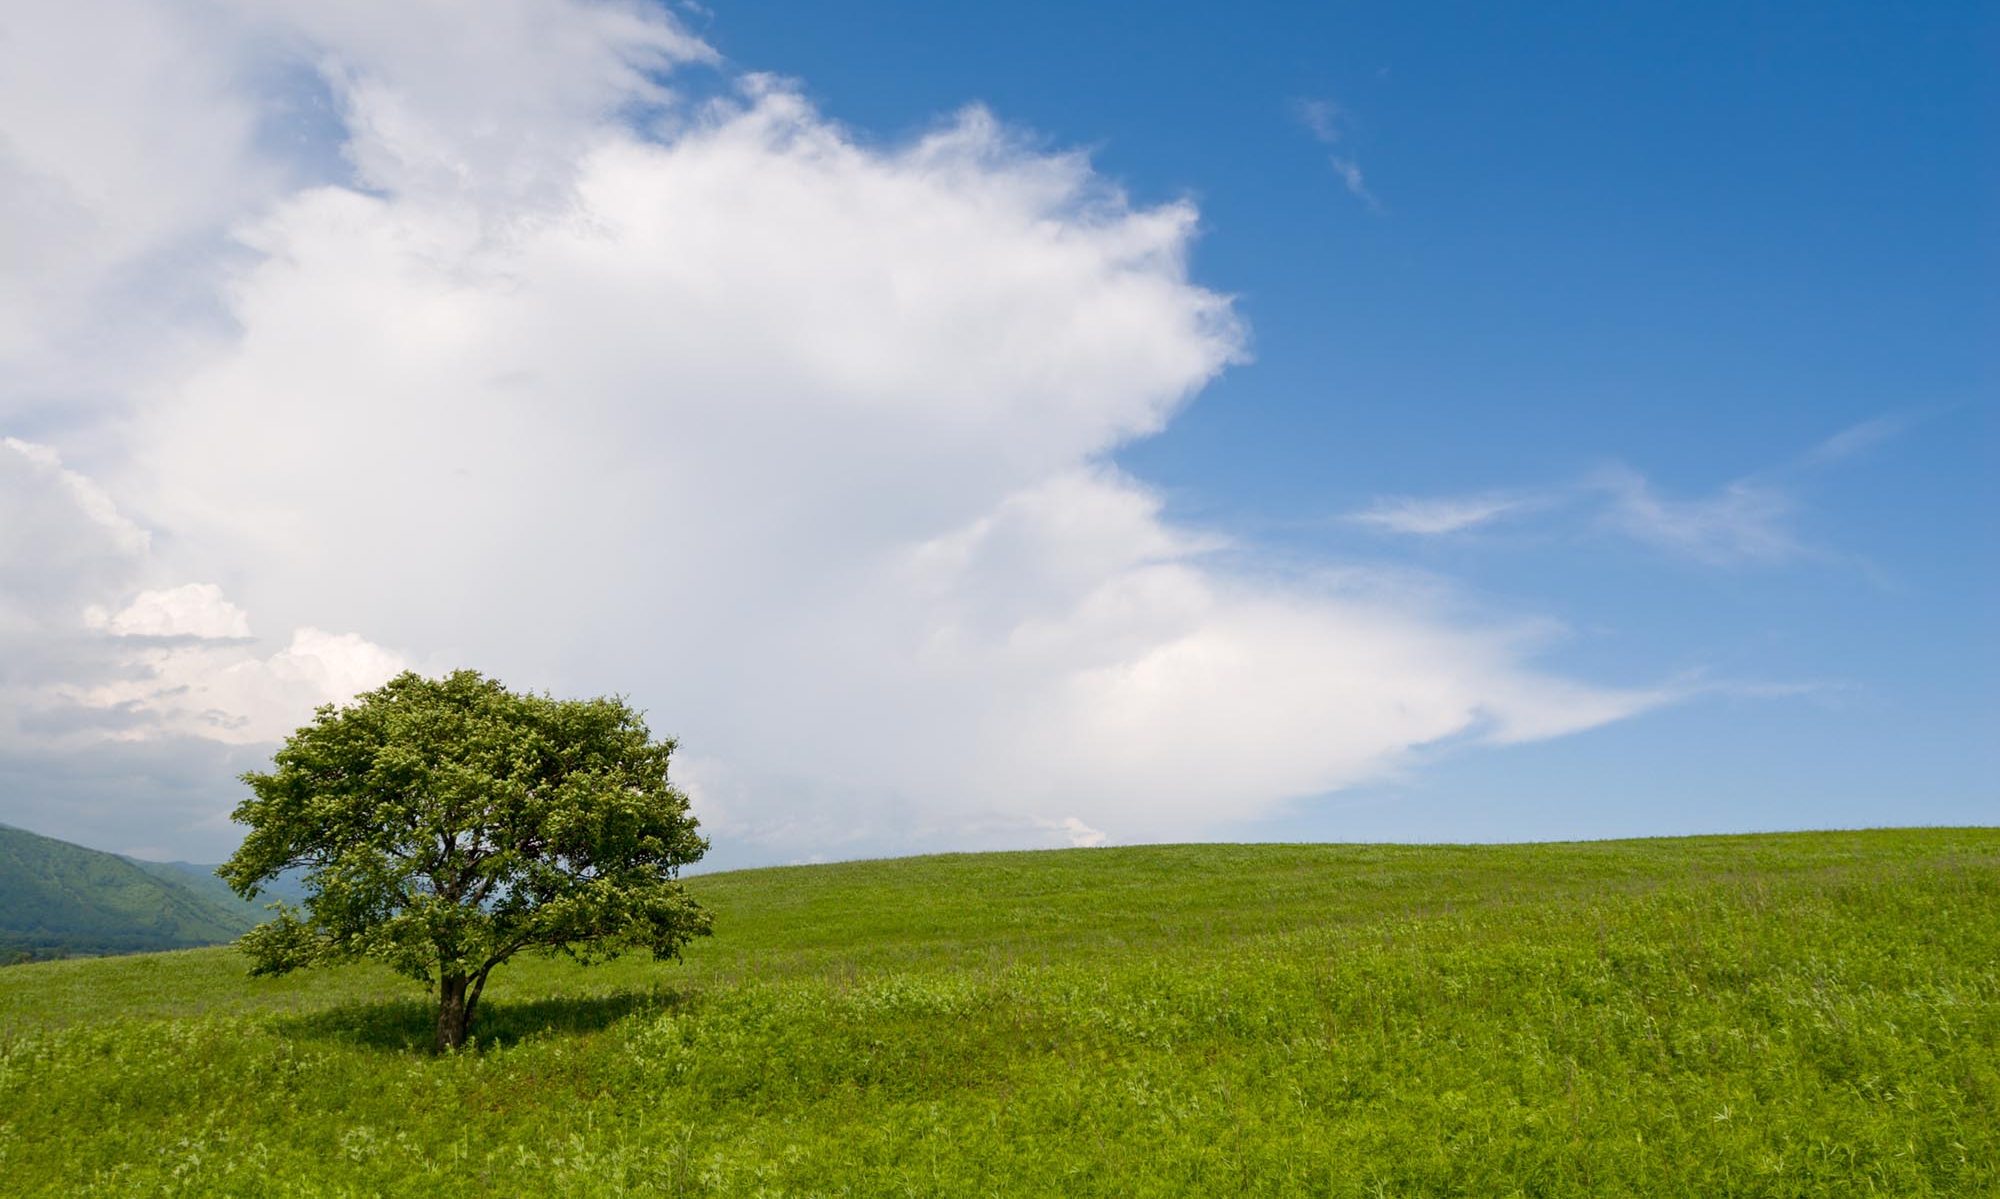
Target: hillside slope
x=288, y=887
x=62, y=900
x=1791, y=1015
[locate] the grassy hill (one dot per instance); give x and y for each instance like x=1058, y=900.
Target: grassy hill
x=1803, y=1014
x=59, y=900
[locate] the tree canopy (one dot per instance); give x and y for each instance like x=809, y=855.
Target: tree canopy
x=444, y=825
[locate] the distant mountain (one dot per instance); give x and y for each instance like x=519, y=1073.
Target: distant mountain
x=62, y=900
x=202, y=881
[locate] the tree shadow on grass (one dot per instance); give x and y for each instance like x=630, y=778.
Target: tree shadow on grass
x=410, y=1024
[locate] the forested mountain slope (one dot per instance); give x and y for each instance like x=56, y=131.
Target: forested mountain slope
x=62, y=900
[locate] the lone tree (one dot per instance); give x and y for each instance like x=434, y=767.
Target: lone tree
x=444, y=825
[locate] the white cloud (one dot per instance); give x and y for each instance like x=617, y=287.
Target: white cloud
x=135, y=134
x=1079, y=834
x=126, y=146
x=80, y=663
x=230, y=694
x=1854, y=440
x=190, y=610
x=1328, y=123
x=62, y=540
x=495, y=109
x=1746, y=521
x=1278, y=694
x=797, y=439
x=1434, y=516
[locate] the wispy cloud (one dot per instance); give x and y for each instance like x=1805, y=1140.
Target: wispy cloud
x=1751, y=520
x=1328, y=121
x=1853, y=440
x=1743, y=522
x=1702, y=682
x=1438, y=515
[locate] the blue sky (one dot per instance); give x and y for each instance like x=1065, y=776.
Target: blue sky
x=1696, y=240
x=1034, y=425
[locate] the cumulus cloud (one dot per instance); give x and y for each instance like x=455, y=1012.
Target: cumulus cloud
x=234, y=695
x=88, y=655
x=798, y=439
x=1081, y=835
x=191, y=610
x=496, y=107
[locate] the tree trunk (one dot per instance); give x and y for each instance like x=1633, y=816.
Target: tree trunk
x=454, y=1014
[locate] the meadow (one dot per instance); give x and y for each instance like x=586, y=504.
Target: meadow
x=1798, y=1015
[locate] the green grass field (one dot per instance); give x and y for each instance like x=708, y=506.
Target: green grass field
x=1801, y=1014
